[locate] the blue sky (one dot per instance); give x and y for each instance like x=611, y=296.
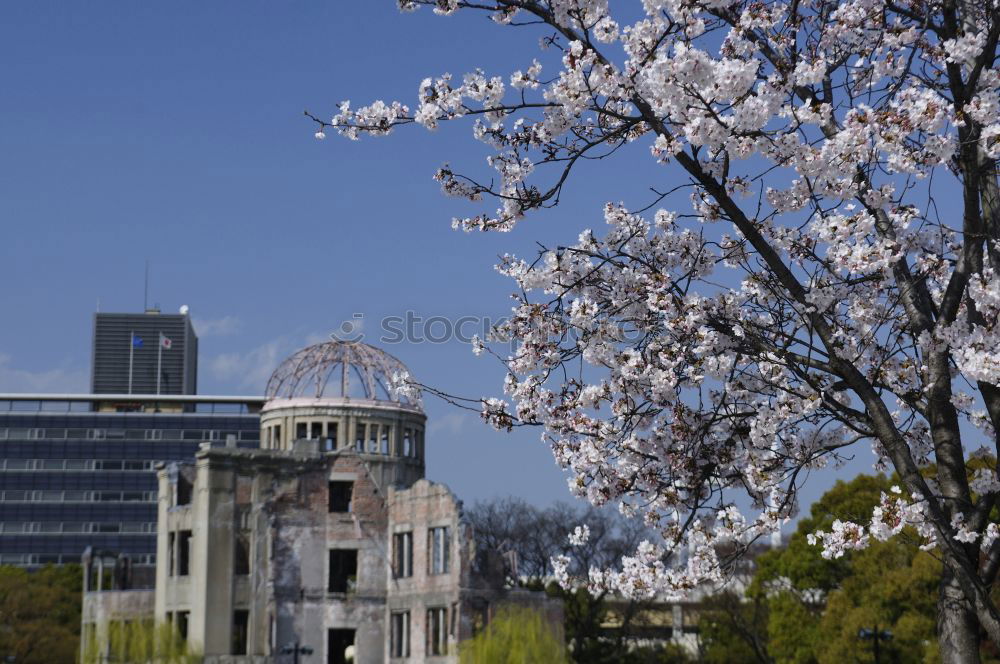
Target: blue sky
x=174, y=132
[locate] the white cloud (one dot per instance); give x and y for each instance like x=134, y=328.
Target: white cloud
x=452, y=424
x=349, y=329
x=250, y=370
x=50, y=381
x=316, y=338
x=217, y=327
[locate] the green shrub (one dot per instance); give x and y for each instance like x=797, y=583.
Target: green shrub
x=516, y=635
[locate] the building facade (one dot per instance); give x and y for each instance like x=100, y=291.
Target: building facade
x=79, y=470
x=148, y=353
x=327, y=540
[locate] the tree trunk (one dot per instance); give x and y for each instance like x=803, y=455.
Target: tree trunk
x=958, y=629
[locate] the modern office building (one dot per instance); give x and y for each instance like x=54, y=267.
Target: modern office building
x=78, y=470
x=148, y=353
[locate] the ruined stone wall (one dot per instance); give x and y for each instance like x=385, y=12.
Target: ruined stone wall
x=275, y=541
x=101, y=608
x=303, y=532
x=417, y=510
x=471, y=595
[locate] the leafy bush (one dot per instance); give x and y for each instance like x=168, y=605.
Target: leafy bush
x=516, y=635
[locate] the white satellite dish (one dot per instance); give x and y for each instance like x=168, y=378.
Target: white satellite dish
x=185, y=309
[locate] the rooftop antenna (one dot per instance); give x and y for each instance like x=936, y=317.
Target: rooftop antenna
x=145, y=292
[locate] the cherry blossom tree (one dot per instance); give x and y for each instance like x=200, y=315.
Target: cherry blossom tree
x=832, y=281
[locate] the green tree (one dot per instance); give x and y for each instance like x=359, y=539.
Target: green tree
x=800, y=562
x=516, y=635
x=780, y=619
x=40, y=614
x=733, y=628
x=804, y=609
x=796, y=580
x=584, y=616
x=893, y=586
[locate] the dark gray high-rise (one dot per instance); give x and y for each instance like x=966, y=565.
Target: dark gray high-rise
x=128, y=348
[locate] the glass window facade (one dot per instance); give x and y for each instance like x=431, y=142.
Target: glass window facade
x=70, y=479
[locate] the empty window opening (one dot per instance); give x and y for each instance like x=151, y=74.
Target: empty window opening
x=407, y=443
x=437, y=636
x=317, y=431
x=373, y=438
x=439, y=550
x=343, y=570
x=340, y=646
x=182, y=624
x=301, y=431
x=341, y=494
x=385, y=440
x=241, y=564
x=172, y=553
x=184, y=553
x=331, y=437
x=183, y=490
x=402, y=555
x=359, y=437
x=240, y=622
x=399, y=637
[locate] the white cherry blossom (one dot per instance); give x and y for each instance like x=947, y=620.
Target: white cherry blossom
x=823, y=277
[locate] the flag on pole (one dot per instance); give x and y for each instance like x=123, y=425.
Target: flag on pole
x=165, y=344
x=136, y=341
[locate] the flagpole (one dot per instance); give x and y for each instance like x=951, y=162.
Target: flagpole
x=159, y=359
x=131, y=349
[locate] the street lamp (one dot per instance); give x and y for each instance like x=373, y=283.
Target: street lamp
x=874, y=635
x=296, y=650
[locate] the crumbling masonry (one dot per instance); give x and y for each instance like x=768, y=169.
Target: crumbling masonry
x=326, y=540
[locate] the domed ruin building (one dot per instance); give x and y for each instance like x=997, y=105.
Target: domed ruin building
x=327, y=539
